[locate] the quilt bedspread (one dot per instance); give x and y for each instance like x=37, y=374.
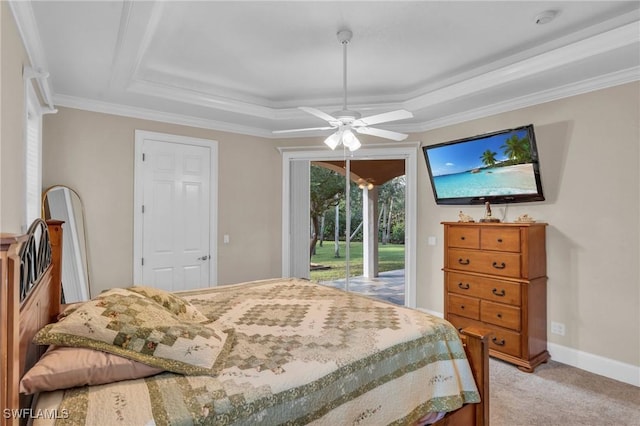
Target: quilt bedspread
x=303, y=354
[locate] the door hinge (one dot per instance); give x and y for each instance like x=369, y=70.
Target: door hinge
x=143, y=208
x=144, y=156
x=142, y=259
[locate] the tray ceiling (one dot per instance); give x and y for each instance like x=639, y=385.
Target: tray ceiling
x=246, y=66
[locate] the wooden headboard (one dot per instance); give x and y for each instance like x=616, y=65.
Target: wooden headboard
x=30, y=295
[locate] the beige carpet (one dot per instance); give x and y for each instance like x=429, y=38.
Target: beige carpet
x=557, y=394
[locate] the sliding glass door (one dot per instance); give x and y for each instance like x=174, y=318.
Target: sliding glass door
x=325, y=195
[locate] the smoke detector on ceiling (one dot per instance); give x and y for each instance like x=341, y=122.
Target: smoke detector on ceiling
x=545, y=17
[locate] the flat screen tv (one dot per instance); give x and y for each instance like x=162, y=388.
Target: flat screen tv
x=499, y=167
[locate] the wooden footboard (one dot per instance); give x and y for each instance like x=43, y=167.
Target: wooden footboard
x=476, y=342
x=29, y=299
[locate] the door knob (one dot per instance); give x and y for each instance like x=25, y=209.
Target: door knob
x=205, y=257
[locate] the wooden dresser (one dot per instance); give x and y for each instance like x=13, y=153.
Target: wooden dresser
x=496, y=277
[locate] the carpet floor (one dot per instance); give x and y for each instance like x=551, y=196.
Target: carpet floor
x=558, y=394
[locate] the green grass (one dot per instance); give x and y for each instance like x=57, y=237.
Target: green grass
x=391, y=257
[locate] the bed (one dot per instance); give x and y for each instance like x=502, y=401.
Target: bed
x=279, y=351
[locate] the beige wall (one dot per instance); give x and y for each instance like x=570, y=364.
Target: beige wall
x=589, y=156
x=12, y=107
x=93, y=153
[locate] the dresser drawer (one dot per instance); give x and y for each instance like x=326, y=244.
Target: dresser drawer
x=467, y=285
x=502, y=291
x=499, y=314
x=505, y=341
x=465, y=306
x=501, y=239
x=484, y=288
x=463, y=237
x=488, y=262
x=501, y=340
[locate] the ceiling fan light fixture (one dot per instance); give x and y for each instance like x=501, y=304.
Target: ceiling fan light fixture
x=350, y=140
x=334, y=140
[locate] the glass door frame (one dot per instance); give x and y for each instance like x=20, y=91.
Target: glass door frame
x=403, y=150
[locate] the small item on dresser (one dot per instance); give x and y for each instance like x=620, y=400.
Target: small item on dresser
x=464, y=217
x=487, y=214
x=525, y=218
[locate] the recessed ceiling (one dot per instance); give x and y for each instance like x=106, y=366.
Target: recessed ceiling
x=246, y=66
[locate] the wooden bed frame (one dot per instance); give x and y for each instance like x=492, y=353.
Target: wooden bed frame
x=30, y=296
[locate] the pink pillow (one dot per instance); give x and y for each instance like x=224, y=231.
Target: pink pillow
x=64, y=367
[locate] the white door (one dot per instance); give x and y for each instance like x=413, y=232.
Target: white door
x=175, y=214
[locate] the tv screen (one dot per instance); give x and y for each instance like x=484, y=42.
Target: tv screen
x=499, y=167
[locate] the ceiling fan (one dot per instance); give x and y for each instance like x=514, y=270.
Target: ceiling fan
x=346, y=121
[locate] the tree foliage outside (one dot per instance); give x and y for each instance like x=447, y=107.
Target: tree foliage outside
x=391, y=204
x=327, y=191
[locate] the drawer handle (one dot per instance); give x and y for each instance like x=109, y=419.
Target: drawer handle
x=464, y=286
x=461, y=306
x=462, y=238
x=499, y=316
x=497, y=342
x=499, y=240
x=501, y=294
x=502, y=265
x=463, y=261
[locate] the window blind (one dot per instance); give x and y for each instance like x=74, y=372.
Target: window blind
x=33, y=144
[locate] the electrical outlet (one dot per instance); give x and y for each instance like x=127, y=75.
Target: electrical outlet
x=557, y=328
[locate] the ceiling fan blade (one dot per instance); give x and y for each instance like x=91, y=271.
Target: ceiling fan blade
x=303, y=130
x=319, y=114
x=383, y=118
x=387, y=134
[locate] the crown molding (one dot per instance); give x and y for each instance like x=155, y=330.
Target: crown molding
x=408, y=145
x=577, y=88
x=566, y=91
x=154, y=115
x=28, y=30
x=195, y=97
x=574, y=52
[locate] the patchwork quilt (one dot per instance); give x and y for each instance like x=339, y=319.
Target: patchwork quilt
x=303, y=354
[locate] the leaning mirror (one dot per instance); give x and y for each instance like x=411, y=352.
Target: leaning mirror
x=63, y=203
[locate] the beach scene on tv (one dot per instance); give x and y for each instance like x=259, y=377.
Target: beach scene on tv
x=496, y=165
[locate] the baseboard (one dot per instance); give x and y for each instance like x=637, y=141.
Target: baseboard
x=596, y=364
x=430, y=312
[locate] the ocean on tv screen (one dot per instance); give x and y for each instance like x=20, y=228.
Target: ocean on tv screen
x=507, y=180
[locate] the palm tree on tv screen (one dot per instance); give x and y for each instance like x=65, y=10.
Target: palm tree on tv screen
x=489, y=158
x=518, y=150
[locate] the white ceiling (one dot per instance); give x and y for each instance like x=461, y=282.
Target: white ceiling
x=245, y=66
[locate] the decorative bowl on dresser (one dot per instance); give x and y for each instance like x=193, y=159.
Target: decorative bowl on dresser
x=496, y=277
